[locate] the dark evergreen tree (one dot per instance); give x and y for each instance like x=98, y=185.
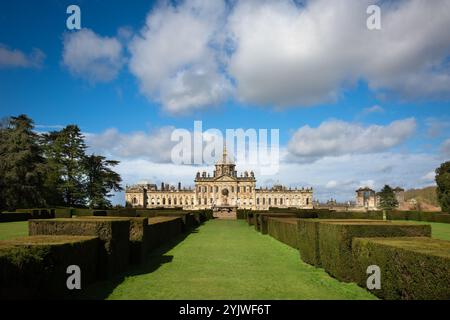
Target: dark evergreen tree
x=22, y=165
x=101, y=180
x=443, y=186
x=53, y=184
x=65, y=151
x=388, y=201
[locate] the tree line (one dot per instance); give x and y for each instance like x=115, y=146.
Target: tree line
x=51, y=169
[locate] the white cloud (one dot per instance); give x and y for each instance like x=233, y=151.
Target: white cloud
x=14, y=58
x=429, y=177
x=331, y=184
x=445, y=147
x=288, y=54
x=373, y=109
x=155, y=145
x=174, y=58
x=92, y=57
x=335, y=137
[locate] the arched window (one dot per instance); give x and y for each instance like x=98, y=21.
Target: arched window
x=135, y=200
x=275, y=201
x=164, y=201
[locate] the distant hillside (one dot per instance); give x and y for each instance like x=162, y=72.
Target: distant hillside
x=425, y=195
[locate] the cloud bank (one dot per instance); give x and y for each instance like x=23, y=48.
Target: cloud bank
x=195, y=54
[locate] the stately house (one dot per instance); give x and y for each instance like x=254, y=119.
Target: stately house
x=221, y=190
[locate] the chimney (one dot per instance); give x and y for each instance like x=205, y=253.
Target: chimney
x=179, y=186
x=162, y=186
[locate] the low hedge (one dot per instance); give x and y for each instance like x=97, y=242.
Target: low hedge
x=411, y=268
x=419, y=216
x=161, y=230
x=371, y=215
x=125, y=212
x=14, y=216
x=250, y=217
x=263, y=219
x=114, y=235
x=335, y=240
x=35, y=267
x=241, y=214
x=442, y=218
x=308, y=238
x=138, y=237
x=284, y=230
x=63, y=212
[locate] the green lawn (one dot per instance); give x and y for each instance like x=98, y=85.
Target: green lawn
x=11, y=230
x=227, y=260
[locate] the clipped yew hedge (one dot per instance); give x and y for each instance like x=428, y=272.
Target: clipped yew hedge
x=411, y=268
x=284, y=230
x=124, y=212
x=419, y=216
x=138, y=236
x=263, y=219
x=335, y=242
x=14, y=216
x=114, y=235
x=35, y=267
x=160, y=230
x=371, y=215
x=308, y=237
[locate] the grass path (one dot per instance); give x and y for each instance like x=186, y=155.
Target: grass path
x=227, y=260
x=11, y=230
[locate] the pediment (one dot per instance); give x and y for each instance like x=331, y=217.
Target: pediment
x=225, y=178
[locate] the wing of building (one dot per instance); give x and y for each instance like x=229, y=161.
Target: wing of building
x=223, y=189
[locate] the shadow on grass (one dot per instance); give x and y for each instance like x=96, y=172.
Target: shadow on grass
x=155, y=259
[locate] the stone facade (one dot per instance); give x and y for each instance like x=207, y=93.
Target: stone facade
x=368, y=198
x=224, y=188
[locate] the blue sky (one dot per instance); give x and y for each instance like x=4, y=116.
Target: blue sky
x=141, y=66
